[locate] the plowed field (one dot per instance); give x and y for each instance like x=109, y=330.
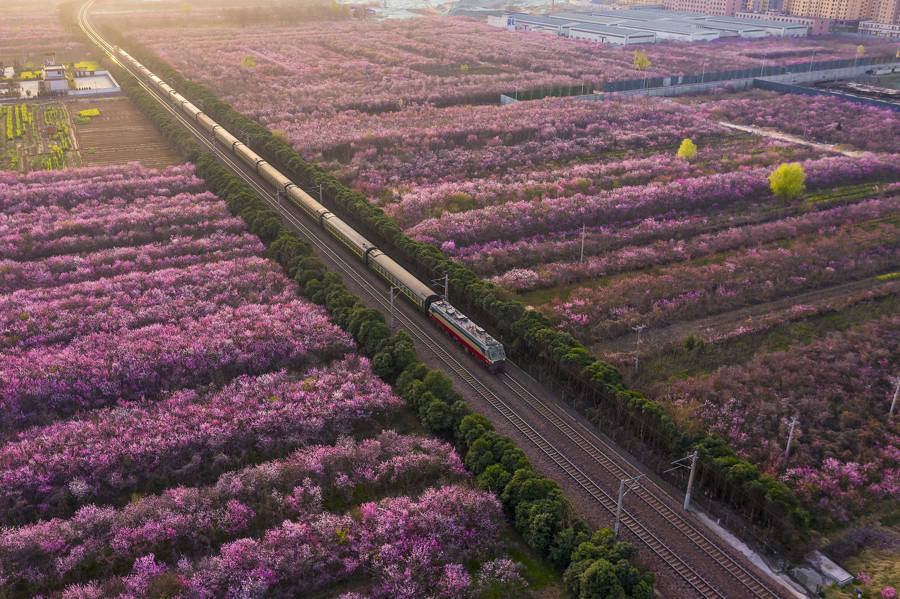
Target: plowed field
x=121, y=134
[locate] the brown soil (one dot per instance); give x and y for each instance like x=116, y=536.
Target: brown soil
x=121, y=134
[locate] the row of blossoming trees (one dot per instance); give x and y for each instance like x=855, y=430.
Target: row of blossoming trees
x=176, y=420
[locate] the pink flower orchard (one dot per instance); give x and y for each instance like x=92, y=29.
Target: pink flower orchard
x=303, y=72
x=843, y=373
x=181, y=520
x=172, y=411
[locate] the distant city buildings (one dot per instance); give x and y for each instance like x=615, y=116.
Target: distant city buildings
x=641, y=24
x=818, y=15
x=878, y=11
x=710, y=7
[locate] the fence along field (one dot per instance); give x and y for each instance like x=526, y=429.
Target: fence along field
x=484, y=183
x=177, y=420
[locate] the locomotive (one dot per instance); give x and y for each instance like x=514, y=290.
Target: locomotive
x=473, y=337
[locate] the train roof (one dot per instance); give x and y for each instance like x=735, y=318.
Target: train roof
x=347, y=231
x=465, y=323
x=422, y=290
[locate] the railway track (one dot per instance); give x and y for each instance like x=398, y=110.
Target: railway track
x=594, y=447
x=599, y=451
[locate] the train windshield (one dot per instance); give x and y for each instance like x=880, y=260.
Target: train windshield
x=495, y=352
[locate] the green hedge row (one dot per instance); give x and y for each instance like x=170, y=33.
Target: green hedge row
x=595, y=566
x=530, y=337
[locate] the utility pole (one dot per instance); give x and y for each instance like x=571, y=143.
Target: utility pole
x=625, y=482
x=687, y=494
x=790, y=438
x=446, y=280
x=320, y=193
x=894, y=401
x=212, y=141
x=639, y=328
x=393, y=293
x=278, y=198
x=583, y=226
x=693, y=468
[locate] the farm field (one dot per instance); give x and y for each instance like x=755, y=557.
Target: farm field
x=120, y=134
x=47, y=136
x=177, y=420
x=28, y=35
x=36, y=136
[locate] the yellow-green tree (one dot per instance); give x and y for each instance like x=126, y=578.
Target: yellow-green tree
x=248, y=61
x=641, y=62
x=687, y=150
x=463, y=68
x=787, y=181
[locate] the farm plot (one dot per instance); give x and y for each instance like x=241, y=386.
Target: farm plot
x=36, y=137
x=177, y=421
x=28, y=36
x=119, y=134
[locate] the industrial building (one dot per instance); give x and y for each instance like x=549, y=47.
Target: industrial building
x=880, y=29
x=641, y=25
x=815, y=26
x=609, y=34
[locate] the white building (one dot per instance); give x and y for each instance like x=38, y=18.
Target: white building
x=609, y=34
x=526, y=22
x=735, y=29
x=676, y=30
x=880, y=29
x=769, y=27
x=53, y=78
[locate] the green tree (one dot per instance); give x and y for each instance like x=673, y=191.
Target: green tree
x=787, y=180
x=641, y=62
x=687, y=150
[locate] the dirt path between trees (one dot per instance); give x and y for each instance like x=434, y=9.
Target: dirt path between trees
x=756, y=317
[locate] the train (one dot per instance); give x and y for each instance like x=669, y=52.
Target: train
x=452, y=321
